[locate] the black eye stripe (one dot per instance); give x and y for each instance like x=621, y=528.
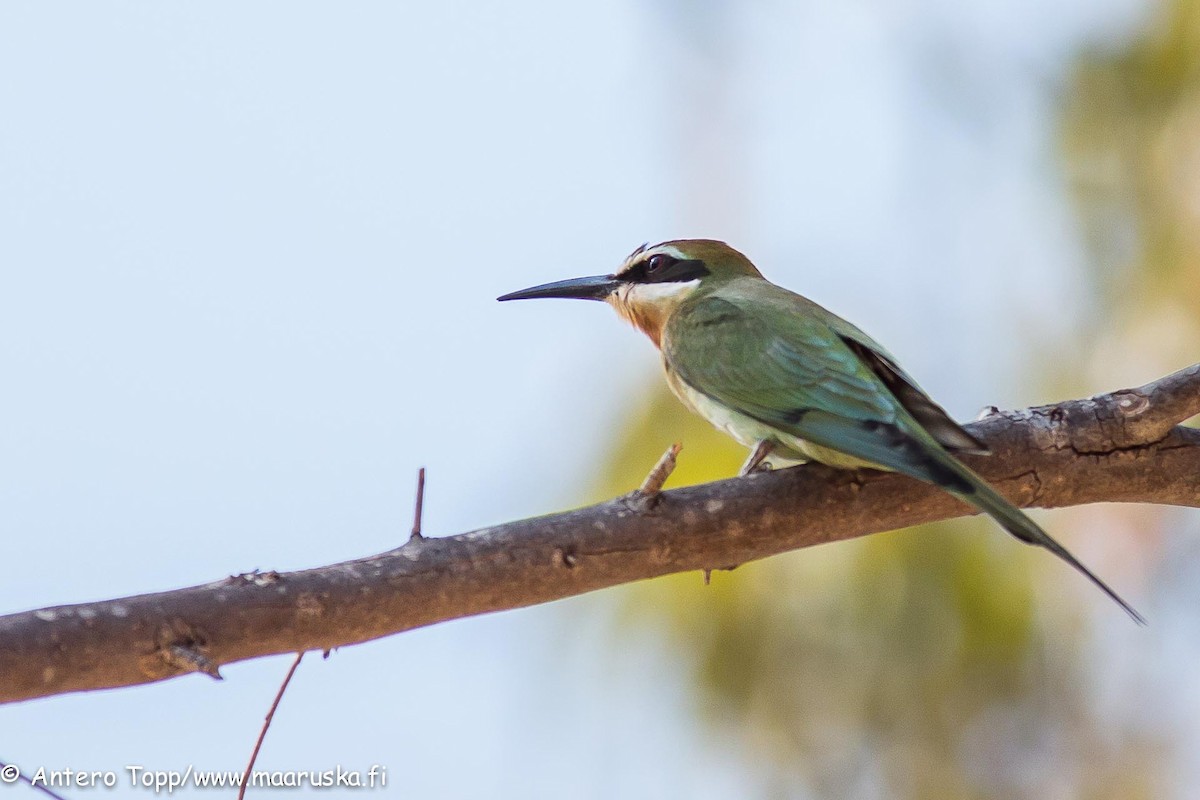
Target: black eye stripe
x=663, y=268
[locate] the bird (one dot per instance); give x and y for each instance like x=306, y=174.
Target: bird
x=791, y=380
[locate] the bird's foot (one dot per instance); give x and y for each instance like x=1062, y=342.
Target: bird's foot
x=756, y=458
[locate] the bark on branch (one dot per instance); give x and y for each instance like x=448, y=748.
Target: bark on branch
x=1124, y=447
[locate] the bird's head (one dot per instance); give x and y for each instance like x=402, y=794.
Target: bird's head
x=653, y=281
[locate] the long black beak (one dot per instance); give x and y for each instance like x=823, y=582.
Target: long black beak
x=596, y=287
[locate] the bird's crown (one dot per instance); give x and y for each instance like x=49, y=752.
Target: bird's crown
x=684, y=260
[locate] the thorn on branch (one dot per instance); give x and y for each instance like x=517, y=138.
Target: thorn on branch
x=187, y=658
x=987, y=411
x=416, y=529
x=651, y=488
x=708, y=571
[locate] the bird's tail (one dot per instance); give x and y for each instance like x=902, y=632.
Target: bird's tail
x=972, y=489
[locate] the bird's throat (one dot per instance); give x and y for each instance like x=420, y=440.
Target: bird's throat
x=648, y=320
x=647, y=307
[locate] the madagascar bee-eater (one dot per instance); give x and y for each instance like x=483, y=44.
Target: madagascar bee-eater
x=789, y=379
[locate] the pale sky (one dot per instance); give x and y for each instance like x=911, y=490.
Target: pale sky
x=250, y=255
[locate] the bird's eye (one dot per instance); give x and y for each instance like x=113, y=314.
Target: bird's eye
x=656, y=263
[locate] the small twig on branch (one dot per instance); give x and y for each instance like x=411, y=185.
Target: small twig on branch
x=416, y=528
x=652, y=486
x=262, y=734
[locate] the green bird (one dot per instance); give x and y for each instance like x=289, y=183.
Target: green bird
x=789, y=379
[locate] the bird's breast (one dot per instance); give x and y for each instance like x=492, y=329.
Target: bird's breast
x=748, y=431
x=744, y=429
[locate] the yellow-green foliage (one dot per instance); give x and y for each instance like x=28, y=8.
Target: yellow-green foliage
x=916, y=634
x=925, y=661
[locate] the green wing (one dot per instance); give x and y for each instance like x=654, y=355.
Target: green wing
x=932, y=417
x=790, y=364
x=786, y=365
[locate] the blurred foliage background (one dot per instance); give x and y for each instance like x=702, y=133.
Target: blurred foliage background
x=1131, y=147
x=950, y=660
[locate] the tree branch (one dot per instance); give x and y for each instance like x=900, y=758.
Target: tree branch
x=1123, y=447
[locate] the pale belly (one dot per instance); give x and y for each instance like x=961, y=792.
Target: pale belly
x=748, y=431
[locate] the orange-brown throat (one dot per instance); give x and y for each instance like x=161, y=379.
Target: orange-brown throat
x=645, y=311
